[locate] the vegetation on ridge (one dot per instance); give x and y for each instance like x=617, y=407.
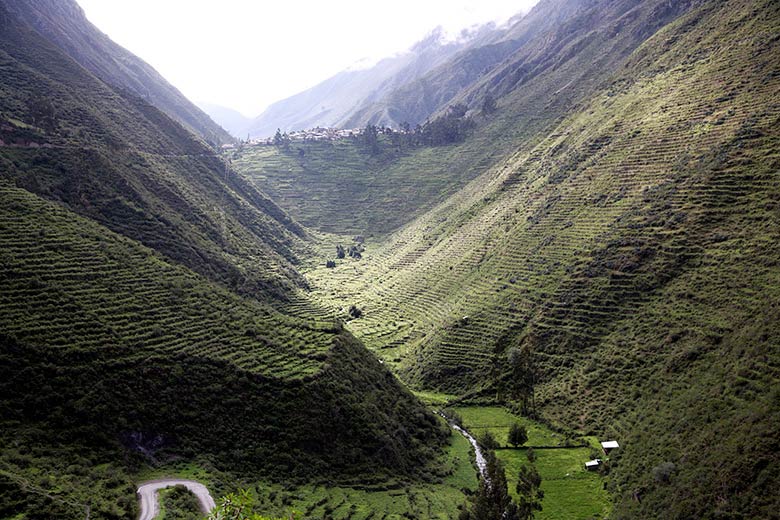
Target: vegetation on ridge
x=600, y=253
x=628, y=245
x=109, y=348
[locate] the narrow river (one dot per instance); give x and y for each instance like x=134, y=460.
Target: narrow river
x=481, y=463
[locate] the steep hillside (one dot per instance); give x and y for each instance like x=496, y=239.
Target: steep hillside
x=552, y=73
x=113, y=357
x=140, y=281
x=336, y=101
x=629, y=243
x=63, y=23
x=418, y=99
x=112, y=156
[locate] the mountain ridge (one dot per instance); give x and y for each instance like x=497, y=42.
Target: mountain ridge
x=332, y=103
x=64, y=23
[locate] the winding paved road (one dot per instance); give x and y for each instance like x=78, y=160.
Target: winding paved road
x=147, y=494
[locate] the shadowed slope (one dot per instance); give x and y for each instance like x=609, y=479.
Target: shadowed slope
x=111, y=353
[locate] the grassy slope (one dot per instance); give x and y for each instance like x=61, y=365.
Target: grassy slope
x=110, y=351
x=633, y=247
x=393, y=501
x=116, y=159
x=340, y=188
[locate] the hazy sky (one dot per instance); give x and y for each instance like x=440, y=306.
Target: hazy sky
x=246, y=54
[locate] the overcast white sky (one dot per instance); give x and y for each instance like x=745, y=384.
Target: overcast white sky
x=246, y=54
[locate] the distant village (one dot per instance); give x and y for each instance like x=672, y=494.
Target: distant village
x=301, y=136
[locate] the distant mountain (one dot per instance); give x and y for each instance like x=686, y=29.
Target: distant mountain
x=417, y=100
x=231, y=120
x=63, y=23
x=335, y=101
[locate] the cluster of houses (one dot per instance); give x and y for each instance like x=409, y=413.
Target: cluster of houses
x=607, y=446
x=313, y=134
x=320, y=134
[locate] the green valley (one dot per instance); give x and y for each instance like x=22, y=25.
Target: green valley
x=578, y=243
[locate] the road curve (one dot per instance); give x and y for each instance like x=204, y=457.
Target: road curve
x=150, y=506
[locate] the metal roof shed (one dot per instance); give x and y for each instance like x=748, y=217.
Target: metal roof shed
x=608, y=446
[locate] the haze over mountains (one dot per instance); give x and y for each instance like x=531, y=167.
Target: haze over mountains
x=336, y=101
x=583, y=230
x=404, y=89
x=231, y=120
x=65, y=25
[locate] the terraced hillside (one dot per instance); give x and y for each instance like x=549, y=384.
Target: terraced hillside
x=630, y=245
x=340, y=187
x=548, y=76
x=140, y=281
x=111, y=156
x=112, y=354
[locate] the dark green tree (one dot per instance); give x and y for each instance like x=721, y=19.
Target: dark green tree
x=521, y=376
x=282, y=139
x=492, y=500
x=488, y=104
x=42, y=112
x=518, y=435
x=488, y=441
x=240, y=506
x=370, y=137
x=529, y=492
x=181, y=504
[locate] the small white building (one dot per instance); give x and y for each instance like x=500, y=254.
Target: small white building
x=593, y=465
x=608, y=446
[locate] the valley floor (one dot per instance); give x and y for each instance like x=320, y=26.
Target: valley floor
x=571, y=492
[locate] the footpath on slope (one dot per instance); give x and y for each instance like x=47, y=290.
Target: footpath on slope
x=150, y=506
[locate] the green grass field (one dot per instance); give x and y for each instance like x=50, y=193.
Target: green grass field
x=570, y=492
x=497, y=421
